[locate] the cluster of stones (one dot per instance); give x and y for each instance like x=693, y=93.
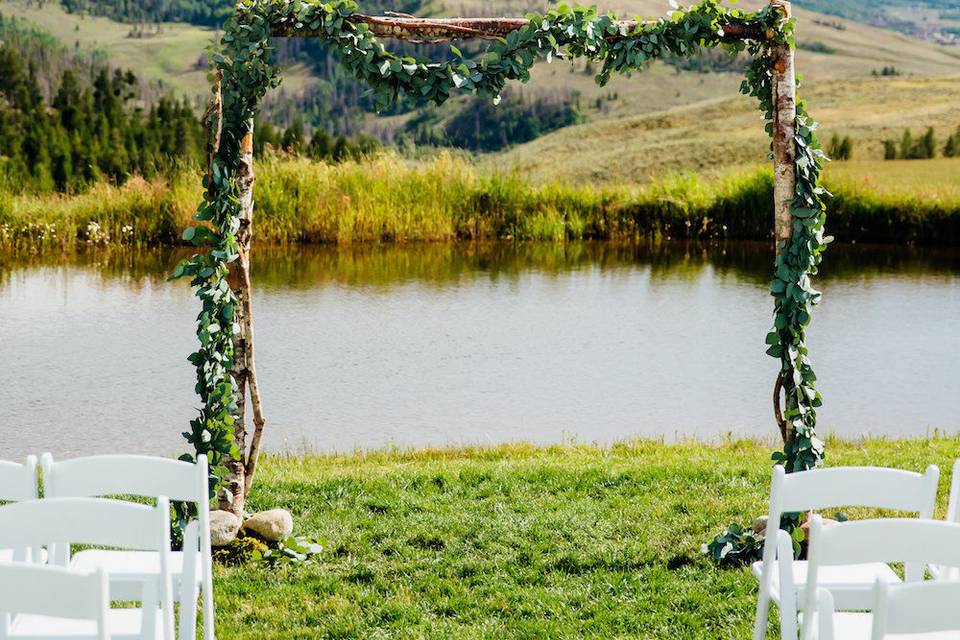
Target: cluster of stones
x=275, y=525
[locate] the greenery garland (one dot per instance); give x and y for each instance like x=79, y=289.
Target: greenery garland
x=244, y=74
x=793, y=292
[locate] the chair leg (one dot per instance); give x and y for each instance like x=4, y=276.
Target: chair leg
x=824, y=615
x=207, y=590
x=188, y=612
x=149, y=603
x=763, y=610
x=788, y=591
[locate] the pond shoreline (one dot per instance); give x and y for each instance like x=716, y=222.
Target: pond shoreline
x=446, y=199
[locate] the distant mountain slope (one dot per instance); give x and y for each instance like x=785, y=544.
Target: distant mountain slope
x=316, y=89
x=173, y=54
x=717, y=134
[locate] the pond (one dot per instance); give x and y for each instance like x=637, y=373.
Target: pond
x=476, y=344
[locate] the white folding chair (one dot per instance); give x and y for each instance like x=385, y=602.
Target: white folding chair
x=918, y=609
x=953, y=515
x=897, y=608
x=93, y=521
x=18, y=482
x=69, y=602
x=144, y=476
x=783, y=579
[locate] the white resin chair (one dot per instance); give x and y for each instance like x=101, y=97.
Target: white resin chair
x=953, y=515
x=922, y=608
x=851, y=584
x=92, y=521
x=144, y=476
x=18, y=482
x=69, y=602
x=918, y=610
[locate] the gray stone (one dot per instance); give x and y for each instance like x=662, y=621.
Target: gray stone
x=273, y=526
x=760, y=525
x=224, y=527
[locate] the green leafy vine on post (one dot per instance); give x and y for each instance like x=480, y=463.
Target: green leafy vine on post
x=792, y=289
x=244, y=73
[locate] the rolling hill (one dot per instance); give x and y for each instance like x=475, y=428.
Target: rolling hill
x=715, y=135
x=664, y=119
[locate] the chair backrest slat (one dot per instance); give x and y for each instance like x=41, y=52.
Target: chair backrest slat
x=90, y=521
x=18, y=481
x=52, y=591
x=915, y=608
x=874, y=487
x=113, y=475
x=886, y=540
x=845, y=487
x=953, y=506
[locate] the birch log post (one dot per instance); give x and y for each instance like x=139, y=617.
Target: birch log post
x=244, y=370
x=784, y=88
x=784, y=146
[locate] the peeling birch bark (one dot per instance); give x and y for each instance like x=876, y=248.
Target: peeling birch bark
x=784, y=145
x=784, y=88
x=243, y=371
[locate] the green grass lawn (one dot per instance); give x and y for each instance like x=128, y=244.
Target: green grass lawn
x=520, y=541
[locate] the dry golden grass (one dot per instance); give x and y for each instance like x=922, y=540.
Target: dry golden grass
x=929, y=180
x=716, y=135
x=445, y=198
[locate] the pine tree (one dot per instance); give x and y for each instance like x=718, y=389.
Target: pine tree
x=846, y=149
x=341, y=149
x=293, y=138
x=906, y=145
x=951, y=149
x=889, y=150
x=928, y=145
x=321, y=145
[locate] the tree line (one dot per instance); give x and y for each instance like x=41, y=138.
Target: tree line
x=67, y=122
x=479, y=125
x=926, y=146
x=91, y=126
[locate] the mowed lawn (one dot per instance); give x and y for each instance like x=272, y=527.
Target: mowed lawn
x=521, y=542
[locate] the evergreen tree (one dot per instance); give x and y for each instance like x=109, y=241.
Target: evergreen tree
x=846, y=149
x=889, y=150
x=341, y=149
x=321, y=145
x=906, y=145
x=927, y=146
x=951, y=149
x=293, y=138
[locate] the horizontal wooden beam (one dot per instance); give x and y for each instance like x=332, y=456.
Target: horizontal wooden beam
x=443, y=29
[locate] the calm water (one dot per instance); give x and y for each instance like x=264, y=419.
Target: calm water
x=448, y=345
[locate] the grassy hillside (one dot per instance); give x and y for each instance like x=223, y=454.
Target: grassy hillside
x=659, y=121
x=172, y=54
x=716, y=134
x=666, y=119
x=858, y=51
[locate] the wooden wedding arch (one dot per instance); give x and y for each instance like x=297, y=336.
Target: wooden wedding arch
x=226, y=371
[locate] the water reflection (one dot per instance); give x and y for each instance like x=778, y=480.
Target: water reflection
x=442, y=263
x=437, y=344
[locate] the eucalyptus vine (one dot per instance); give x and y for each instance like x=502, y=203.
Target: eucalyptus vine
x=244, y=73
x=793, y=292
